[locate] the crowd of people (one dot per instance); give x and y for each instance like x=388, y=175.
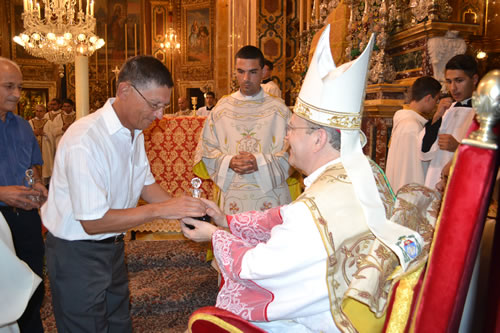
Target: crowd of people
x=266, y=242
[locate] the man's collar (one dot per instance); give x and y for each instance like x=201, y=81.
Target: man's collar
x=8, y=115
x=238, y=95
x=316, y=173
x=466, y=103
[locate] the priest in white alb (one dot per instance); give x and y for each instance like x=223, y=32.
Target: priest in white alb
x=404, y=165
x=296, y=268
x=444, y=132
x=241, y=145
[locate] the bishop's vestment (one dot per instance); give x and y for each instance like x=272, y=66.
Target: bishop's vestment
x=298, y=263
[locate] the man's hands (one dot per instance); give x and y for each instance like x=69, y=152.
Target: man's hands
x=179, y=207
x=444, y=104
x=22, y=197
x=244, y=163
x=447, y=142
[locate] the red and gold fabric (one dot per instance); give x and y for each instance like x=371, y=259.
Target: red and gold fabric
x=170, y=144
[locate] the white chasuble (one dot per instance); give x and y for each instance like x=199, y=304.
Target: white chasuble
x=456, y=121
x=404, y=165
x=256, y=125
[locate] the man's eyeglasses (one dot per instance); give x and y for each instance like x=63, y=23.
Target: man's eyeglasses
x=153, y=106
x=290, y=128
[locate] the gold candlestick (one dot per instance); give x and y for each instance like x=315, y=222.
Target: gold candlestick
x=194, y=101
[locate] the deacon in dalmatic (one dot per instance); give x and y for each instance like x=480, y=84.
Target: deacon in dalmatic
x=293, y=268
x=242, y=142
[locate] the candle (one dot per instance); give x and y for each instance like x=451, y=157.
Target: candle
x=135, y=39
x=301, y=16
x=79, y=5
x=145, y=41
x=25, y=5
x=38, y=9
x=92, y=8
x=308, y=16
x=87, y=11
x=31, y=5
x=316, y=9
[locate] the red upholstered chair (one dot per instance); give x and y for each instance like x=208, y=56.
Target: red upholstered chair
x=213, y=320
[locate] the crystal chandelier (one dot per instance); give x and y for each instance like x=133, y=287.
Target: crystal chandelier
x=58, y=32
x=170, y=43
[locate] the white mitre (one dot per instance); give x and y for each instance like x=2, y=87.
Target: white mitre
x=334, y=96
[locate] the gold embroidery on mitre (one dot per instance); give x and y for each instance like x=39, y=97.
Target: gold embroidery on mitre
x=340, y=120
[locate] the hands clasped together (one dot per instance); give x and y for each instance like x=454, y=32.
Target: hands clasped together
x=243, y=163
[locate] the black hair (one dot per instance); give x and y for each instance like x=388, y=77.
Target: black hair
x=250, y=52
x=424, y=86
x=464, y=62
x=69, y=101
x=211, y=93
x=142, y=70
x=58, y=101
x=269, y=64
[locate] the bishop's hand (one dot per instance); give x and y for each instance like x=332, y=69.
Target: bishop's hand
x=202, y=231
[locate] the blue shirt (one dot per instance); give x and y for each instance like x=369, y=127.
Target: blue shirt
x=19, y=150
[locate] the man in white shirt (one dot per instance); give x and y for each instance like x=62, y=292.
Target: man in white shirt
x=100, y=171
x=403, y=159
x=442, y=134
x=209, y=104
x=268, y=84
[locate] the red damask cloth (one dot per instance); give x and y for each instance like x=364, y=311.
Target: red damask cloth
x=170, y=144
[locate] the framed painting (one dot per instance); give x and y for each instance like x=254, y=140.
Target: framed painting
x=118, y=23
x=29, y=98
x=197, y=34
x=33, y=93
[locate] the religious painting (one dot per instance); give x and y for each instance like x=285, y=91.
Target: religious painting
x=197, y=35
x=30, y=97
x=118, y=22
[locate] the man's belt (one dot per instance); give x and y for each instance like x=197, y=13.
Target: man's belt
x=109, y=240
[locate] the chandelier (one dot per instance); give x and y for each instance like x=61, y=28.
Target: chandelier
x=170, y=43
x=58, y=32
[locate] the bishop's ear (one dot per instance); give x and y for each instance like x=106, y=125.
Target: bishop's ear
x=320, y=139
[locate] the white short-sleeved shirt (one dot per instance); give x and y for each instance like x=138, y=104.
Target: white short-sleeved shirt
x=97, y=167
